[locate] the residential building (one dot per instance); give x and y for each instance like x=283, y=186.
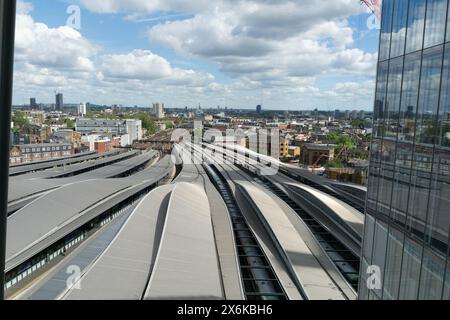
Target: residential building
x=134, y=130
x=82, y=109
x=68, y=135
x=158, y=110
x=36, y=117
x=37, y=152
x=284, y=148
x=97, y=142
x=294, y=151
x=101, y=146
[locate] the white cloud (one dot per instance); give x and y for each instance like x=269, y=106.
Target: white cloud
x=273, y=50
x=139, y=64
x=270, y=40
x=61, y=47
x=24, y=7
x=147, y=66
x=144, y=6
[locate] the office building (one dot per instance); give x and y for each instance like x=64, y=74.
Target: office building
x=102, y=126
x=128, y=130
x=33, y=103
x=258, y=109
x=407, y=223
x=59, y=102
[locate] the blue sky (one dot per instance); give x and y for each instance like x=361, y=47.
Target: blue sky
x=236, y=53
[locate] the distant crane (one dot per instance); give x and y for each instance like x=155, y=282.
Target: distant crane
x=374, y=6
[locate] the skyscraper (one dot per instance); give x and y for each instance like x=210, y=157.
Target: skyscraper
x=258, y=109
x=59, y=101
x=33, y=103
x=158, y=110
x=407, y=223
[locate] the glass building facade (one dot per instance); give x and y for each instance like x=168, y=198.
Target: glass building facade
x=407, y=221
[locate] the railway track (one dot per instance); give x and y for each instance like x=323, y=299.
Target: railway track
x=259, y=279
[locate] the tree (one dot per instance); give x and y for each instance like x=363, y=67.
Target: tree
x=334, y=164
x=148, y=123
x=90, y=114
x=360, y=123
x=333, y=137
x=343, y=143
x=69, y=123
x=169, y=125
x=20, y=121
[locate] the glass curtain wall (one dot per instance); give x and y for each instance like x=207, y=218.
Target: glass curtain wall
x=407, y=220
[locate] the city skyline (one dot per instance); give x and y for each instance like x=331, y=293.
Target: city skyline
x=313, y=56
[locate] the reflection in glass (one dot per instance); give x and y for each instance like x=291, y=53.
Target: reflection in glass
x=399, y=28
x=416, y=23
x=386, y=26
x=393, y=265
x=446, y=293
x=362, y=288
x=426, y=131
x=438, y=218
x=444, y=110
x=410, y=91
x=426, y=135
x=447, y=38
x=432, y=276
x=386, y=177
x=379, y=251
x=374, y=173
x=435, y=22
x=380, y=98
x=393, y=98
x=390, y=128
x=409, y=174
x=412, y=256
x=368, y=236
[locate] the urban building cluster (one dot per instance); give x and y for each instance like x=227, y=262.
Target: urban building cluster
x=334, y=144
x=44, y=132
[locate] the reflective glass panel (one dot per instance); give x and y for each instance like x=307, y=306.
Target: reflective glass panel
x=435, y=22
x=412, y=256
x=399, y=28
x=416, y=23
x=386, y=27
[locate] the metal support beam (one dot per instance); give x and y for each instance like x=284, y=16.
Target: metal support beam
x=7, y=28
